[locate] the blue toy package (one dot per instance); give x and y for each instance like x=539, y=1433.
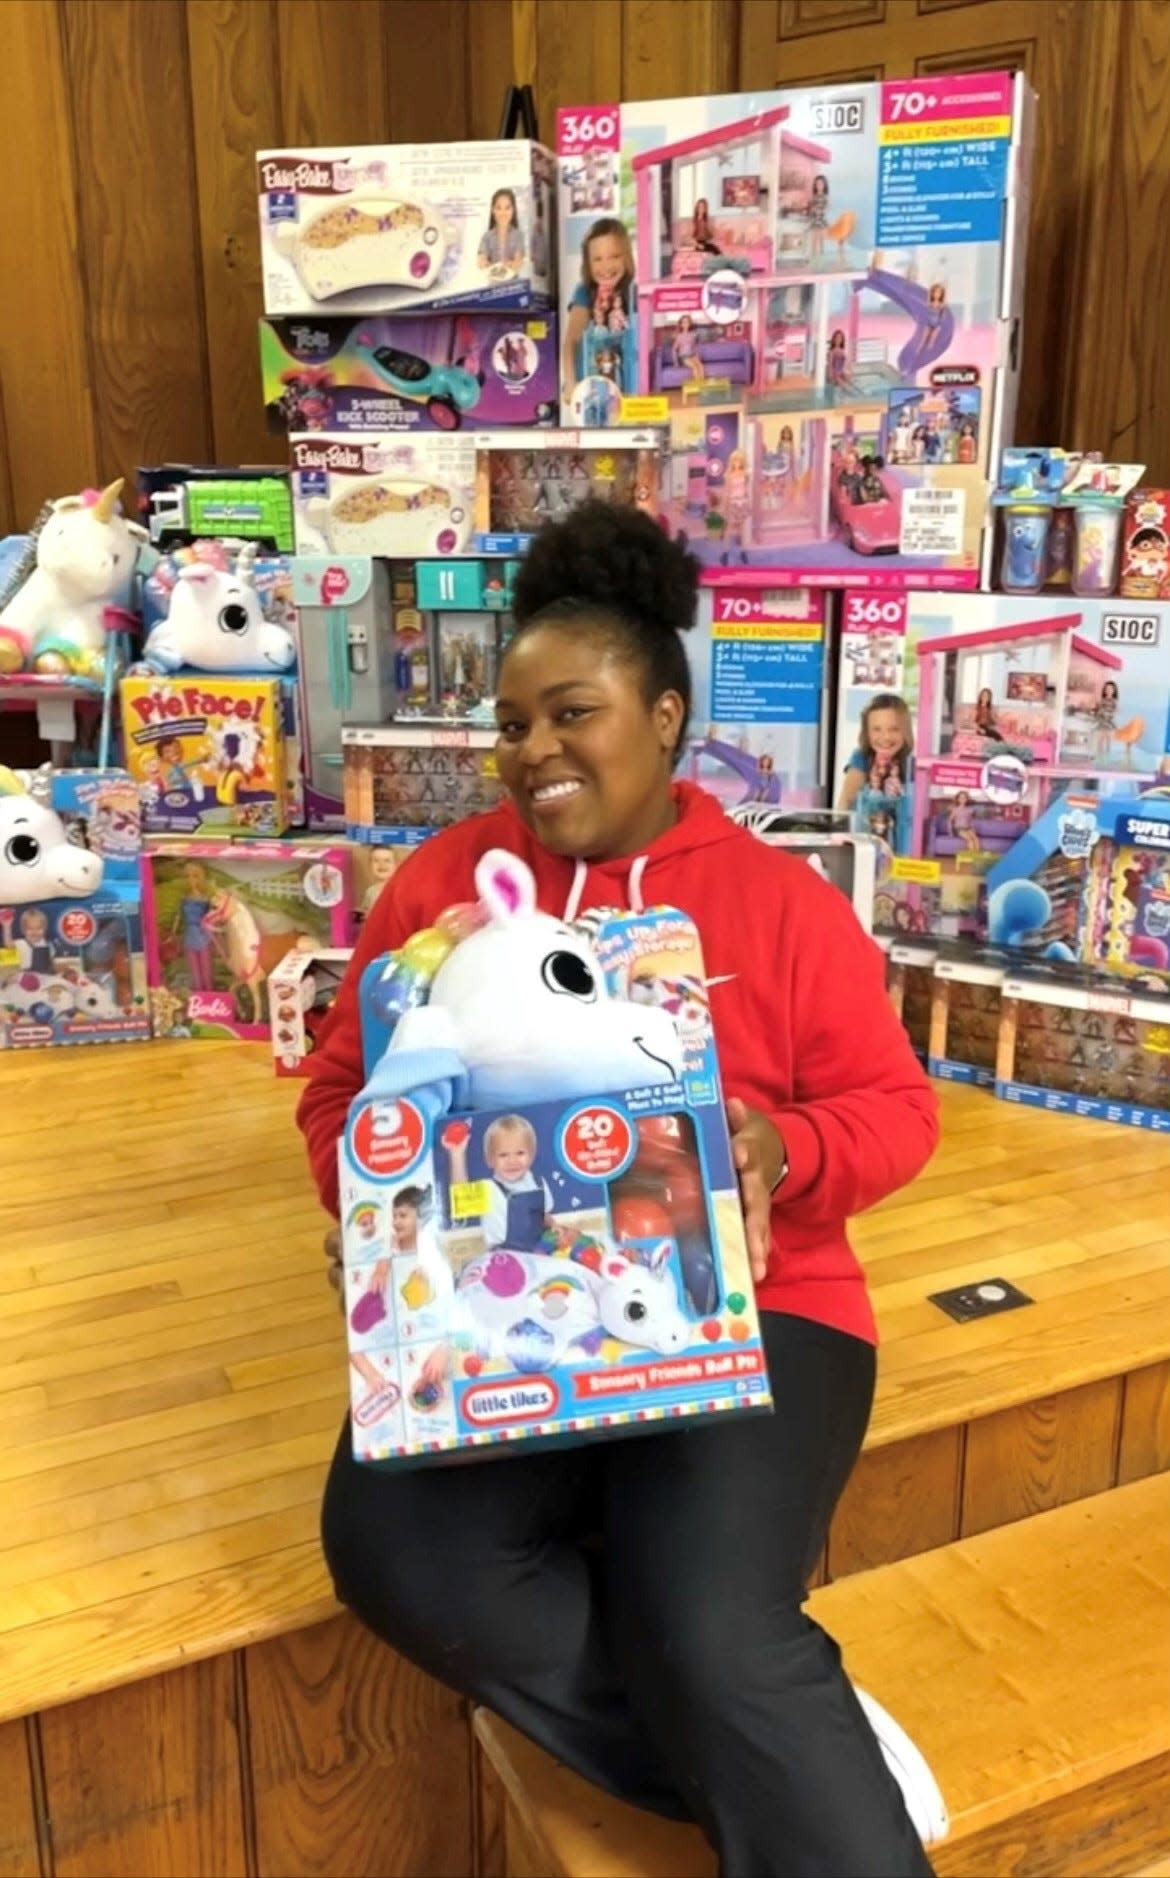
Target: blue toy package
x=1077, y=1045
x=541, y=1228
x=72, y=966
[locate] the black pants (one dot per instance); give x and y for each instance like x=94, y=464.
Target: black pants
x=673, y=1665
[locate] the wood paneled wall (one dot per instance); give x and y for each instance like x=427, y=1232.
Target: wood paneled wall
x=129, y=282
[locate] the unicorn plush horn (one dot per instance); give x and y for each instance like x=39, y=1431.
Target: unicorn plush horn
x=103, y=509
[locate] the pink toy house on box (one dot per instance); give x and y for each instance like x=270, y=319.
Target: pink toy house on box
x=979, y=737
x=814, y=291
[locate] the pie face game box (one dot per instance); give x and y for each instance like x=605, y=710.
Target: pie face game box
x=541, y=1225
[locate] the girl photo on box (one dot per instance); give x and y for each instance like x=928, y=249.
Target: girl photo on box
x=674, y=1665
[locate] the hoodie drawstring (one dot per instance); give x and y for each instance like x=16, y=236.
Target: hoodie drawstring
x=633, y=889
x=573, y=903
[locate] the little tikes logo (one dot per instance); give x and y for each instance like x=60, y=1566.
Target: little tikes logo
x=167, y=704
x=307, y=176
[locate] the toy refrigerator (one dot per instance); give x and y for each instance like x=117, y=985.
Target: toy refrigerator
x=758, y=732
x=819, y=292
x=346, y=666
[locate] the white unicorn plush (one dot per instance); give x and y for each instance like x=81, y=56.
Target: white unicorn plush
x=535, y=1305
x=87, y=553
x=37, y=859
x=215, y=624
x=519, y=1012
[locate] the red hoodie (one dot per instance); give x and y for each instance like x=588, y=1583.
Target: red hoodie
x=804, y=1028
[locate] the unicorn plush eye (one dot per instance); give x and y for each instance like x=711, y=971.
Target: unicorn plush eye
x=233, y=619
x=22, y=851
x=635, y=1312
x=568, y=975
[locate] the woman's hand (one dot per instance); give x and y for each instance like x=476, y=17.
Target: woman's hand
x=757, y=1150
x=333, y=1258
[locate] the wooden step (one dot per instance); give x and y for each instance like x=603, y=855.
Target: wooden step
x=1028, y=1666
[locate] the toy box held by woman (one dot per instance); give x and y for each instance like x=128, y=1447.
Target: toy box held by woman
x=541, y=1226
x=429, y=373
x=817, y=291
x=401, y=227
x=72, y=968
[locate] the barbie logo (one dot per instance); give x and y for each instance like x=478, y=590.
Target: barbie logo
x=211, y=1007
x=332, y=456
x=298, y=173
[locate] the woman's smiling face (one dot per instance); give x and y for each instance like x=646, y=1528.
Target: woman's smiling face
x=584, y=757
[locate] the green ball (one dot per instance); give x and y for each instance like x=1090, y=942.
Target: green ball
x=737, y=1303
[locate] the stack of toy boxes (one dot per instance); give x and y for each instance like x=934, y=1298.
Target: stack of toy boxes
x=214, y=740
x=72, y=966
x=910, y=982
x=220, y=916
x=817, y=292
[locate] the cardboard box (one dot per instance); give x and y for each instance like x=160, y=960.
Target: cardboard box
x=301, y=992
x=1080, y=1048
x=819, y=292
x=404, y=496
x=570, y=1269
x=220, y=916
x=394, y=228
x=379, y=375
x=72, y=962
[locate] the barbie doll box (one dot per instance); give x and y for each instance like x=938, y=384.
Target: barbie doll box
x=72, y=965
x=541, y=1229
x=404, y=496
x=818, y=292
x=221, y=916
x=968, y=728
x=426, y=373
x=210, y=752
x=406, y=227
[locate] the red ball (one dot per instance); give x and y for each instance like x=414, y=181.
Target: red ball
x=472, y=1365
x=638, y=1218
x=660, y=1142
x=455, y=1135
x=683, y=1193
x=712, y=1330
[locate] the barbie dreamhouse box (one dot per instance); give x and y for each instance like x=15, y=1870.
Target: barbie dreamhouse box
x=541, y=1228
x=818, y=292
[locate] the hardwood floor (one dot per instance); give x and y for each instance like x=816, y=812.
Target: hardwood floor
x=172, y=1363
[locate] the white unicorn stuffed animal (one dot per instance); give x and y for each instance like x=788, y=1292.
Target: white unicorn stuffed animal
x=519, y=1012
x=37, y=859
x=216, y=624
x=87, y=553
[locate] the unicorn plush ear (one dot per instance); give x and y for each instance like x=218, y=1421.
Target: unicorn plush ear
x=10, y=783
x=506, y=886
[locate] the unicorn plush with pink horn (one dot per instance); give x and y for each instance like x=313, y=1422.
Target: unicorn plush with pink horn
x=83, y=581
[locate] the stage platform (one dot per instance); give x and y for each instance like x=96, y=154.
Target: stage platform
x=172, y=1379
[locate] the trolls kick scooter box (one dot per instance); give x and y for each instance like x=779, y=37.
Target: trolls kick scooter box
x=541, y=1225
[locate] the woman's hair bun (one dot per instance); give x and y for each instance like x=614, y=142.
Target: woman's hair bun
x=613, y=558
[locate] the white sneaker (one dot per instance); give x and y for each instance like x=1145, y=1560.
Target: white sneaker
x=920, y=1789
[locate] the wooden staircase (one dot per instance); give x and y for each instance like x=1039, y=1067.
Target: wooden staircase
x=1028, y=1664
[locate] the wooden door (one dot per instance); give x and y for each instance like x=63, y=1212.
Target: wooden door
x=1095, y=368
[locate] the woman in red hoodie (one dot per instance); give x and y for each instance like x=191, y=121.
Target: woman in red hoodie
x=673, y=1665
